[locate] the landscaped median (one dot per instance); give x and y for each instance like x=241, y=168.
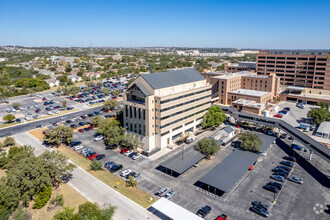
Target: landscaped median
x=108, y=178
x=41, y=118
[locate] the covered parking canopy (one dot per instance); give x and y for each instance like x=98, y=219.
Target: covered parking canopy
x=225, y=174
x=324, y=129
x=181, y=161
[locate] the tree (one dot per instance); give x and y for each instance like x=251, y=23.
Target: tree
x=116, y=92
x=64, y=104
x=208, y=146
x=250, y=141
x=68, y=68
x=319, y=115
x=112, y=130
x=214, y=117
x=132, y=182
x=96, y=165
x=16, y=105
x=42, y=197
x=325, y=105
x=21, y=214
x=96, y=121
x=220, y=68
x=90, y=210
x=9, y=118
x=110, y=104
x=105, y=91
x=131, y=141
x=9, y=141
x=65, y=214
x=59, y=135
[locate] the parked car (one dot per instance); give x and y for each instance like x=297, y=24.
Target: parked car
x=295, y=146
x=49, y=113
x=293, y=159
x=286, y=109
x=170, y=194
x=278, y=169
x=18, y=120
x=123, y=151
x=278, y=178
x=81, y=130
x=82, y=123
x=109, y=164
x=283, y=136
x=285, y=175
x=137, y=176
x=73, y=126
x=115, y=168
x=260, y=211
x=136, y=156
x=221, y=217
x=260, y=204
x=125, y=172
x=128, y=153
x=100, y=157
x=98, y=138
x=203, y=212
x=79, y=147
x=271, y=188
x=276, y=184
x=162, y=191
x=278, y=116
x=287, y=163
x=86, y=129
x=296, y=180
x=288, y=169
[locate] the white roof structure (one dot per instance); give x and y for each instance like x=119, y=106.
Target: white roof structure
x=249, y=92
x=172, y=210
x=324, y=128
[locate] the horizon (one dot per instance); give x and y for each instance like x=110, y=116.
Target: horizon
x=280, y=25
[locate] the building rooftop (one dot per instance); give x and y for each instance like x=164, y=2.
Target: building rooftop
x=258, y=76
x=249, y=92
x=324, y=128
x=233, y=75
x=172, y=78
x=296, y=52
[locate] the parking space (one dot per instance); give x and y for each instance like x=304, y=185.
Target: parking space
x=291, y=202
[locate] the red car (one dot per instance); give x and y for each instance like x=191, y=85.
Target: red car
x=43, y=99
x=222, y=217
x=107, y=110
x=44, y=132
x=83, y=116
x=123, y=151
x=6, y=102
x=278, y=116
x=93, y=156
x=90, y=127
x=81, y=130
x=237, y=126
x=70, y=98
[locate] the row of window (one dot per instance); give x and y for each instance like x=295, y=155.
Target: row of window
x=181, y=119
x=184, y=103
x=185, y=110
x=134, y=112
x=183, y=96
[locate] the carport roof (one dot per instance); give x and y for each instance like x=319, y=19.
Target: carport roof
x=324, y=128
x=225, y=174
x=183, y=160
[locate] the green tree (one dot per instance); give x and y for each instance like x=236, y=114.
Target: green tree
x=112, y=130
x=96, y=165
x=105, y=91
x=9, y=118
x=131, y=141
x=9, y=141
x=90, y=210
x=59, y=135
x=110, y=104
x=324, y=105
x=250, y=141
x=220, y=68
x=16, y=105
x=68, y=68
x=208, y=146
x=96, y=121
x=64, y=104
x=116, y=92
x=42, y=197
x=65, y=214
x=319, y=115
x=132, y=182
x=21, y=214
x=214, y=117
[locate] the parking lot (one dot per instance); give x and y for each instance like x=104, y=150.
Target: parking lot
x=293, y=202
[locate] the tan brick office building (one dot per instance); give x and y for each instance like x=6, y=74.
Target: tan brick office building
x=310, y=69
x=162, y=106
x=239, y=67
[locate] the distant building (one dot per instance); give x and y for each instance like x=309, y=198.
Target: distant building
x=238, y=67
x=162, y=106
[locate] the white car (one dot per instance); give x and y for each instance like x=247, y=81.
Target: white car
x=79, y=147
x=36, y=106
x=98, y=138
x=49, y=113
x=296, y=180
x=56, y=111
x=136, y=156
x=125, y=172
x=27, y=118
x=13, y=110
x=128, y=152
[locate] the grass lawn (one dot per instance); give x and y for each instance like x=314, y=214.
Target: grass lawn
x=72, y=199
x=108, y=178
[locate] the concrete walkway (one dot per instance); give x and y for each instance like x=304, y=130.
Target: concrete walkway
x=92, y=188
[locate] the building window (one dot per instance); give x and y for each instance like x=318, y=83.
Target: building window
x=139, y=110
x=130, y=112
x=144, y=114
x=134, y=112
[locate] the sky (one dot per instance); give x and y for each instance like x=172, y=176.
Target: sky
x=261, y=24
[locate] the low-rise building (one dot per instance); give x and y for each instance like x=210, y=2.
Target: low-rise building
x=163, y=106
x=238, y=67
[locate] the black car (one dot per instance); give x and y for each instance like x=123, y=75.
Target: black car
x=69, y=108
x=90, y=115
x=276, y=184
x=287, y=163
x=82, y=123
x=260, y=211
x=278, y=169
x=73, y=126
x=132, y=154
x=286, y=109
x=96, y=112
x=99, y=157
x=285, y=175
x=111, y=147
x=90, y=154
x=39, y=126
x=271, y=188
x=75, y=143
x=68, y=121
x=257, y=203
x=18, y=120
x=204, y=211
x=55, y=124
x=86, y=129
x=115, y=168
x=283, y=136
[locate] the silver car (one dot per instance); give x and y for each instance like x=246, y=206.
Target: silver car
x=170, y=194
x=296, y=180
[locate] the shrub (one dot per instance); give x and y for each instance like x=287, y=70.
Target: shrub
x=208, y=146
x=58, y=200
x=42, y=197
x=9, y=141
x=131, y=182
x=96, y=165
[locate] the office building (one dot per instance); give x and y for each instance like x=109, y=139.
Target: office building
x=239, y=67
x=162, y=106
